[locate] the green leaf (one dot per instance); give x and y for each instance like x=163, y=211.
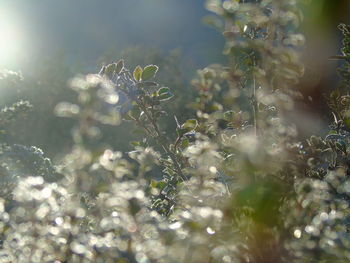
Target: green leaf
x=149, y=72
x=147, y=84
x=127, y=117
x=163, y=90
x=229, y=115
x=135, y=112
x=164, y=94
x=185, y=143
x=119, y=66
x=154, y=183
x=137, y=73
x=134, y=206
x=109, y=70
x=190, y=125
x=135, y=143
x=334, y=137
x=213, y=21
x=161, y=185
x=180, y=131
x=138, y=131
x=347, y=123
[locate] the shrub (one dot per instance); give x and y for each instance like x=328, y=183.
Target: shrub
x=232, y=183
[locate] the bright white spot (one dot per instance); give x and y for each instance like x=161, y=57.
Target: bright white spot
x=46, y=192
x=35, y=180
x=297, y=233
x=42, y=212
x=77, y=248
x=309, y=229
x=205, y=211
x=210, y=231
x=112, y=98
x=54, y=231
x=59, y=221
x=2, y=206
x=11, y=37
x=323, y=216
x=114, y=213
x=213, y=169
x=226, y=259
x=175, y=225
x=80, y=213
x=139, y=194
x=186, y=215
x=331, y=243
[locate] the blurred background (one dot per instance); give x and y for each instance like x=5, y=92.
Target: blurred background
x=51, y=41
x=83, y=30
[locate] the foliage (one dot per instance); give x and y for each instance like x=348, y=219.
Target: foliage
x=231, y=183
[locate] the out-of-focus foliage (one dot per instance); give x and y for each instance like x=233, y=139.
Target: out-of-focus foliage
x=230, y=182
x=320, y=217
x=46, y=85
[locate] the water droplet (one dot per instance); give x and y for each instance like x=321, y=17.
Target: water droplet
x=210, y=231
x=297, y=233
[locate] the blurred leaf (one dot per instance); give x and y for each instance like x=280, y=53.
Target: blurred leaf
x=229, y=115
x=134, y=206
x=119, y=66
x=154, y=183
x=213, y=21
x=190, y=125
x=137, y=73
x=185, y=143
x=149, y=72
x=109, y=70
x=228, y=34
x=135, y=143
x=164, y=94
x=147, y=84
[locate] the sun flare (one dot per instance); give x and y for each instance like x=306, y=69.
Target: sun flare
x=10, y=39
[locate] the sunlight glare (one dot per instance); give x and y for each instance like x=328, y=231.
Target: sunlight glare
x=10, y=38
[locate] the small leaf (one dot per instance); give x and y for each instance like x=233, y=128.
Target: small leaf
x=164, y=94
x=163, y=90
x=138, y=73
x=147, y=84
x=161, y=185
x=109, y=70
x=341, y=145
x=190, y=125
x=185, y=143
x=229, y=115
x=180, y=131
x=138, y=131
x=135, y=112
x=135, y=143
x=134, y=206
x=213, y=21
x=119, y=66
x=154, y=183
x=334, y=137
x=149, y=72
x=127, y=117
x=347, y=123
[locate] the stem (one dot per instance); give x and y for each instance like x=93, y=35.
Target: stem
x=255, y=105
x=160, y=139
